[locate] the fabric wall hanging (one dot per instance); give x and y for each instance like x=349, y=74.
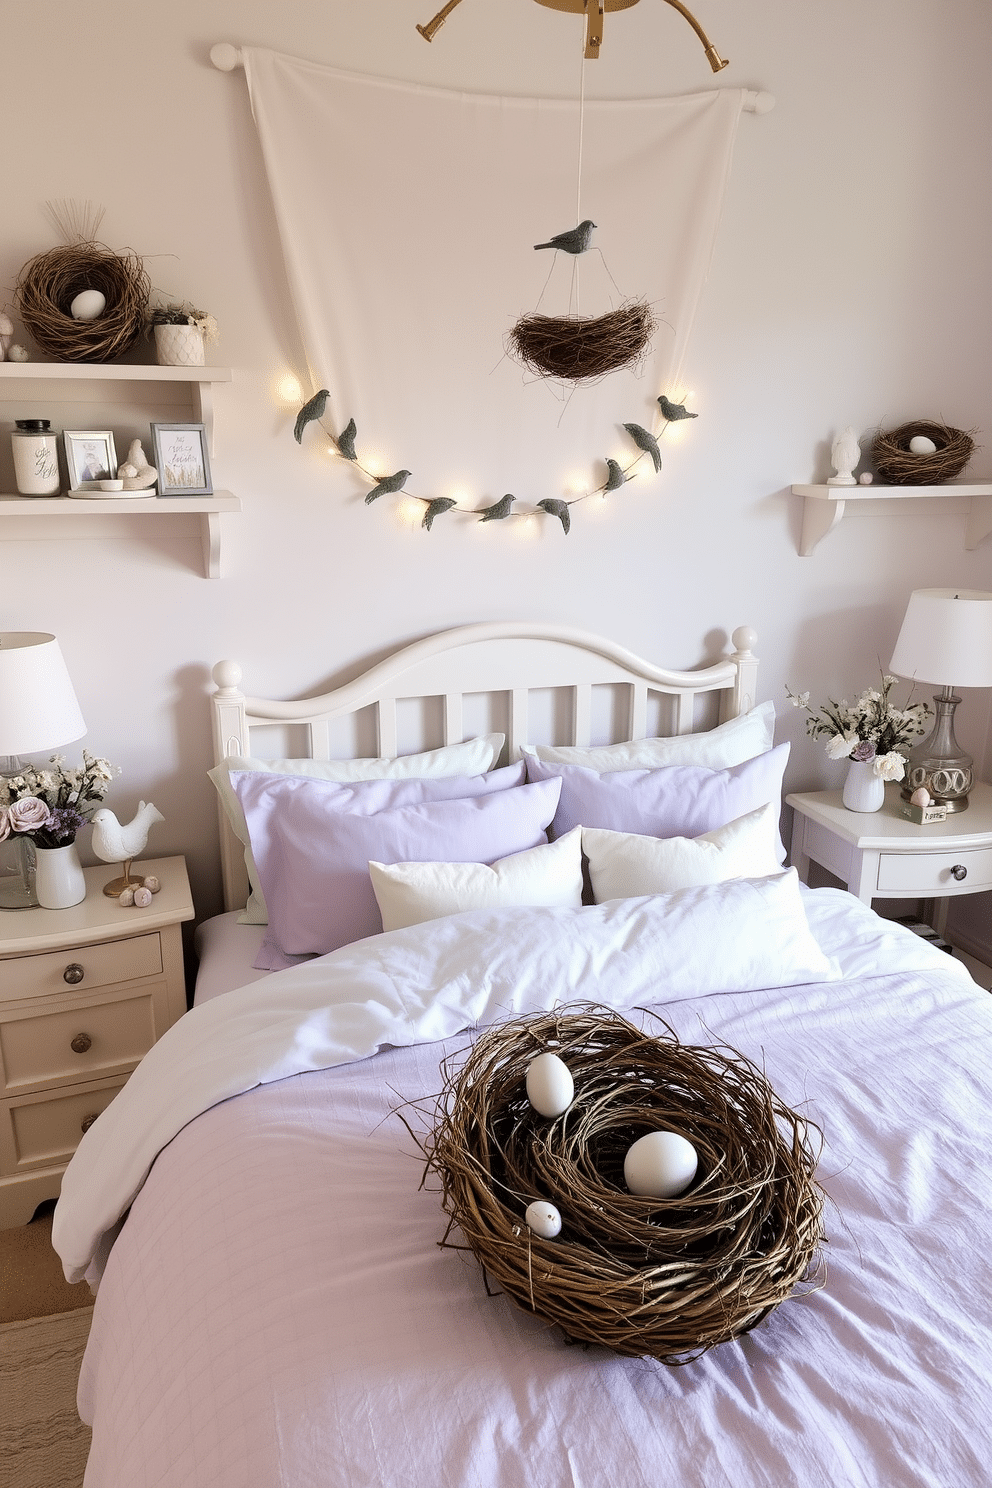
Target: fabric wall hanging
x=408, y=217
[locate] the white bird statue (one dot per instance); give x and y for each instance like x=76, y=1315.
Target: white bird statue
x=844, y=456
x=116, y=842
x=136, y=472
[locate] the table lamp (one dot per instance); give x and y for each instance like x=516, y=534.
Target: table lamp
x=38, y=711
x=947, y=633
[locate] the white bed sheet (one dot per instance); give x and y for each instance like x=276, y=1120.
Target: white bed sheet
x=277, y=1308
x=227, y=951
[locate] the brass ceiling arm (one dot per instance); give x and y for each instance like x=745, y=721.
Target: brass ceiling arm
x=593, y=10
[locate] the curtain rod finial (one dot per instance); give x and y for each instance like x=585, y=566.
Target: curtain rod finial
x=226, y=57
x=759, y=103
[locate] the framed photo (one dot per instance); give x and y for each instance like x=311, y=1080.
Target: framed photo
x=90, y=456
x=181, y=457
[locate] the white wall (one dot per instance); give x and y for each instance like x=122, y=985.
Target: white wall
x=850, y=285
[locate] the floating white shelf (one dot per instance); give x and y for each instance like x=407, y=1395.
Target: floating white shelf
x=825, y=506
x=69, y=513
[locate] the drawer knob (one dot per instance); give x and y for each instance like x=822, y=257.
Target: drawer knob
x=959, y=871
x=73, y=973
x=81, y=1043
x=88, y=1121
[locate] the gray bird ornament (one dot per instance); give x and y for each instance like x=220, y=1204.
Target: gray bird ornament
x=386, y=485
x=498, y=510
x=314, y=409
x=576, y=240
x=674, y=411
x=437, y=508
x=346, y=441
x=645, y=442
x=616, y=476
x=556, y=508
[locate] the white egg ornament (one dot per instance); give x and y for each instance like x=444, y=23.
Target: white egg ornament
x=550, y=1087
x=660, y=1165
x=921, y=445
x=543, y=1219
x=89, y=304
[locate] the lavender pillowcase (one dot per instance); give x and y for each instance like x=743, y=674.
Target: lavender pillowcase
x=312, y=847
x=670, y=801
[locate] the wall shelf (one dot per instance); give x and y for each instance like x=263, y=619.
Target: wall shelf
x=69, y=515
x=824, y=506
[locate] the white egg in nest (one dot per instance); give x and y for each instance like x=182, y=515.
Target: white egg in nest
x=543, y=1219
x=89, y=304
x=550, y=1087
x=660, y=1165
x=921, y=445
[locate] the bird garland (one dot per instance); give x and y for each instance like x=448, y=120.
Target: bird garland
x=437, y=506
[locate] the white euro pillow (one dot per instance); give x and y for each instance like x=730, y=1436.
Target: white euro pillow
x=625, y=866
x=720, y=748
x=549, y=877
x=472, y=757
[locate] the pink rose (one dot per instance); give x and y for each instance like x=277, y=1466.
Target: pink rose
x=28, y=814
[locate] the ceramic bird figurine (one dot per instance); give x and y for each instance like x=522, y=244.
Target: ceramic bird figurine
x=116, y=842
x=645, y=441
x=136, y=472
x=314, y=409
x=386, y=485
x=576, y=240
x=844, y=456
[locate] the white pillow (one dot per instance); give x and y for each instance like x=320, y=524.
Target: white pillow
x=409, y=893
x=728, y=744
x=473, y=757
x=625, y=866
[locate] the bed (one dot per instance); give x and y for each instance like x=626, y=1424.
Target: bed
x=273, y=1303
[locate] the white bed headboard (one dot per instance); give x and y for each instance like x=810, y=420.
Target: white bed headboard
x=511, y=658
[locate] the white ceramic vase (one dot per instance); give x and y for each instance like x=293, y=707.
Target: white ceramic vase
x=58, y=876
x=863, y=789
x=179, y=346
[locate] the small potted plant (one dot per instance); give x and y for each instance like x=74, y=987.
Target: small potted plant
x=180, y=333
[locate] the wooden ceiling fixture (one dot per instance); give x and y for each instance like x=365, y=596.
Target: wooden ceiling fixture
x=594, y=13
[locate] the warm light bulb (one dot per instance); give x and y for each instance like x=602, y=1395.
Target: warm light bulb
x=288, y=389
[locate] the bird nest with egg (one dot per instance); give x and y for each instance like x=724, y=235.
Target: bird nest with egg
x=896, y=462
x=638, y=1274
x=49, y=283
x=579, y=348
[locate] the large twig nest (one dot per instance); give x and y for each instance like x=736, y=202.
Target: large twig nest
x=642, y=1276
x=49, y=283
x=578, y=348
x=895, y=462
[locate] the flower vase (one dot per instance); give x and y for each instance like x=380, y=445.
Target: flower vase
x=59, y=881
x=863, y=789
x=179, y=346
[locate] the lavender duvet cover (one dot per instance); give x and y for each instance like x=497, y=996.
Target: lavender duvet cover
x=276, y=1311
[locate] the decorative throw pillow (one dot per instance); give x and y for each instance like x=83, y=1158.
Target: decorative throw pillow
x=625, y=865
x=730, y=743
x=409, y=893
x=313, y=860
x=471, y=758
x=673, y=801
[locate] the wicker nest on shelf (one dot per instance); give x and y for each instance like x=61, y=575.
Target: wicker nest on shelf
x=669, y=1278
x=895, y=462
x=578, y=348
x=49, y=283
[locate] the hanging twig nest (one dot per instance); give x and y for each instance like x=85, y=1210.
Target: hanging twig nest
x=900, y=466
x=642, y=1276
x=49, y=283
x=576, y=348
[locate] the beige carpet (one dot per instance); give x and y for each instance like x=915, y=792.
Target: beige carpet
x=43, y=1443
x=31, y=1281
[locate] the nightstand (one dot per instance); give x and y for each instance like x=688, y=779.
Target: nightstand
x=84, y=993
x=882, y=855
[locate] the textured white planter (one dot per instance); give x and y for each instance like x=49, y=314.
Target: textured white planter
x=863, y=789
x=179, y=346
x=58, y=877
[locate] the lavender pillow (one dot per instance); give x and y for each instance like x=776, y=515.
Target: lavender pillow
x=313, y=855
x=671, y=801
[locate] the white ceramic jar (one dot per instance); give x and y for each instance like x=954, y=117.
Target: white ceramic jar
x=36, y=458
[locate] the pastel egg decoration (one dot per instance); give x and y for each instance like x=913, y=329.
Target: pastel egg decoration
x=921, y=445
x=543, y=1219
x=550, y=1087
x=89, y=304
x=660, y=1165
x=920, y=797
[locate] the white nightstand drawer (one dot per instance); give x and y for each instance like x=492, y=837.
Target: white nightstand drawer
x=80, y=1041
x=36, y=1130
x=81, y=969
x=931, y=873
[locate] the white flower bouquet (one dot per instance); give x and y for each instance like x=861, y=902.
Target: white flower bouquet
x=49, y=804
x=871, y=729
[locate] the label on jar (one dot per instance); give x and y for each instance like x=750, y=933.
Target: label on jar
x=36, y=464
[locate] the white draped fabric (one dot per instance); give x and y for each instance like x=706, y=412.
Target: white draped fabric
x=408, y=217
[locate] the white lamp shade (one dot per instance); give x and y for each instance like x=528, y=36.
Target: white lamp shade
x=38, y=707
x=946, y=638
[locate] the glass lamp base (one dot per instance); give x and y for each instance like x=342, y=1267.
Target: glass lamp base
x=939, y=763
x=17, y=889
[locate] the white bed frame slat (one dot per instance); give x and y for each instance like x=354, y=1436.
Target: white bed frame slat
x=510, y=658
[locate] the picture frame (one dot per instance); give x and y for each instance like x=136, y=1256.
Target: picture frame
x=90, y=456
x=182, y=460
